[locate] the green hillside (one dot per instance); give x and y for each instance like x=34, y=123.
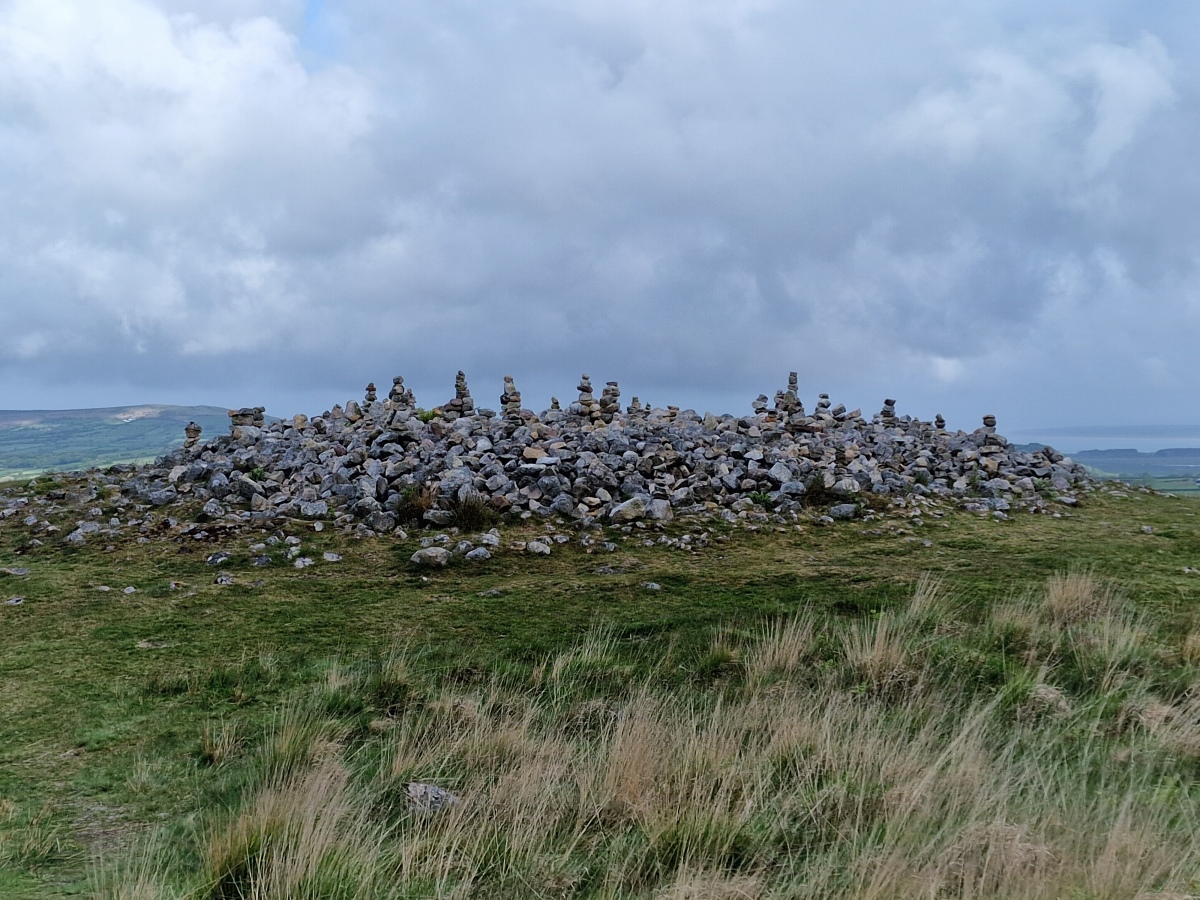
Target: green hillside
x=33, y=441
x=944, y=705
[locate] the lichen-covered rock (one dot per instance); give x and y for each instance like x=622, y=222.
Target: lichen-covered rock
x=628, y=511
x=431, y=557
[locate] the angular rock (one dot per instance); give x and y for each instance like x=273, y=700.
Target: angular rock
x=628, y=511
x=431, y=557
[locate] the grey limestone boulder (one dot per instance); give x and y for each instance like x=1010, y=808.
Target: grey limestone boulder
x=628, y=511
x=431, y=557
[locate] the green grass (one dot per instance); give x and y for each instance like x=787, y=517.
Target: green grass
x=123, y=714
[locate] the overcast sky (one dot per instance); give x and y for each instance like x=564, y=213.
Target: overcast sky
x=969, y=207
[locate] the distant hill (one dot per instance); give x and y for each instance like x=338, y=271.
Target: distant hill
x=33, y=441
x=1175, y=462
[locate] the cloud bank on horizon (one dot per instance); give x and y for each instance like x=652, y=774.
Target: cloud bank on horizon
x=973, y=208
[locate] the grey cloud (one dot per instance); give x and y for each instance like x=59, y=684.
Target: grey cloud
x=967, y=208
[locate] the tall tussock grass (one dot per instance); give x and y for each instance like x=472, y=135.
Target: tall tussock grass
x=824, y=758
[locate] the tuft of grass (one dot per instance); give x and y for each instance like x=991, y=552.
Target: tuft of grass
x=302, y=837
x=1075, y=597
x=35, y=841
x=415, y=501
x=783, y=649
x=878, y=652
x=473, y=513
x=1191, y=648
x=219, y=743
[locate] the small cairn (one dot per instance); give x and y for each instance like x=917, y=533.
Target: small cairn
x=887, y=415
x=610, y=402
x=510, y=401
x=370, y=397
x=191, y=433
x=939, y=422
x=246, y=423
x=636, y=412
x=247, y=417
x=400, y=396
x=554, y=405
x=462, y=404
x=760, y=405
x=586, y=405
x=788, y=408
x=989, y=424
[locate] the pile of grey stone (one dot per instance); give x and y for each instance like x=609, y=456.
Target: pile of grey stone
x=359, y=466
x=361, y=463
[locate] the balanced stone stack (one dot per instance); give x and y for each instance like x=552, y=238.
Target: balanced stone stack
x=887, y=415
x=510, y=401
x=462, y=404
x=636, y=412
x=400, y=397
x=370, y=396
x=610, y=402
x=191, y=433
x=939, y=423
x=247, y=417
x=586, y=406
x=789, y=411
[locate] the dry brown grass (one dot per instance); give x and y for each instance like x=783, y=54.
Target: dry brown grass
x=782, y=649
x=220, y=742
x=879, y=652
x=1075, y=597
x=304, y=837
x=1191, y=648
x=773, y=787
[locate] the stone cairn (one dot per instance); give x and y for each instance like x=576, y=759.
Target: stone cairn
x=462, y=404
x=610, y=402
x=887, y=415
x=247, y=417
x=586, y=406
x=510, y=401
x=789, y=411
x=636, y=412
x=369, y=395
x=191, y=433
x=400, y=397
x=593, y=463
